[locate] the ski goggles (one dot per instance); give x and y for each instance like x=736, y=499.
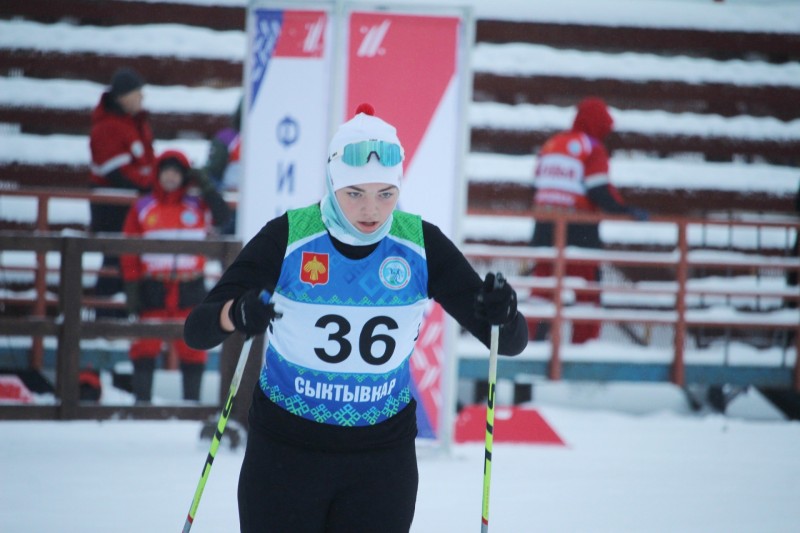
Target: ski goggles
x=358, y=154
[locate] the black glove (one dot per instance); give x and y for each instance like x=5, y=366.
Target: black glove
x=202, y=180
x=496, y=302
x=251, y=313
x=133, y=299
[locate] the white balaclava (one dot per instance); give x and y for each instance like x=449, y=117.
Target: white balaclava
x=363, y=127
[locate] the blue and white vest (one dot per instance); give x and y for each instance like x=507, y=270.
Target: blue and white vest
x=340, y=353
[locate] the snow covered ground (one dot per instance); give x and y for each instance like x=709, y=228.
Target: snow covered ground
x=635, y=461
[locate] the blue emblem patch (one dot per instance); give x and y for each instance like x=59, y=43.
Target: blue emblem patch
x=395, y=273
x=188, y=218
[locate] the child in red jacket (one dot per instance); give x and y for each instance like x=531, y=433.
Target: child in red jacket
x=162, y=286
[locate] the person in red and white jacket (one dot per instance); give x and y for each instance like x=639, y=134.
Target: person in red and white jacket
x=572, y=175
x=121, y=145
x=169, y=285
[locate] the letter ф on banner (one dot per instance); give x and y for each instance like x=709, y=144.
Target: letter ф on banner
x=288, y=79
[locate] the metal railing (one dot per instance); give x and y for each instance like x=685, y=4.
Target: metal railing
x=679, y=262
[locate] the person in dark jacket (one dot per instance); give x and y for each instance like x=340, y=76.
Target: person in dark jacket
x=121, y=144
x=169, y=285
x=343, y=286
x=572, y=176
x=223, y=165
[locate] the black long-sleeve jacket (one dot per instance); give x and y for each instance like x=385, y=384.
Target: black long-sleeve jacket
x=452, y=282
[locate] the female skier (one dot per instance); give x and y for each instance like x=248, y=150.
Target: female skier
x=343, y=286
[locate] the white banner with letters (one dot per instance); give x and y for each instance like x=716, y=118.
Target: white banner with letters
x=307, y=70
x=286, y=114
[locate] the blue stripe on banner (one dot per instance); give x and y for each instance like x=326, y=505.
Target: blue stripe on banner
x=268, y=24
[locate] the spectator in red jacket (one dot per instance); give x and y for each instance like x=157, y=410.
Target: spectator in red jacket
x=572, y=175
x=121, y=145
x=169, y=285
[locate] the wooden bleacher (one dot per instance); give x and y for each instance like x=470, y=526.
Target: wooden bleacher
x=671, y=96
x=726, y=100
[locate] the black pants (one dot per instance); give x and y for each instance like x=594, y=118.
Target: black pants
x=108, y=218
x=286, y=489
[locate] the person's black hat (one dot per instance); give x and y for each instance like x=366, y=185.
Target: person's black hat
x=124, y=81
x=174, y=163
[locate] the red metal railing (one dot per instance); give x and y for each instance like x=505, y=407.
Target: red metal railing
x=681, y=261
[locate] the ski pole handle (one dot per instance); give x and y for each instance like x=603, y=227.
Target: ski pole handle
x=494, y=343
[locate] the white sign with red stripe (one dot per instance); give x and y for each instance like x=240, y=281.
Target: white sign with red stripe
x=409, y=67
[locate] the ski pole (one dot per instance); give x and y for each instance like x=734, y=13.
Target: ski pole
x=487, y=456
x=223, y=420
x=487, y=459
